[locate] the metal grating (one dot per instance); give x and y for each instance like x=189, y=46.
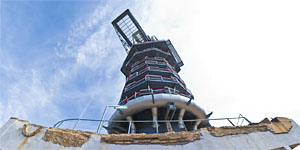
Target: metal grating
x=129, y=30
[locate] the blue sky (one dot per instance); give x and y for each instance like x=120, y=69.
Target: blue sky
x=58, y=56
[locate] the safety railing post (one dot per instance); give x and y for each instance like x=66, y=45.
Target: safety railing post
x=246, y=119
x=76, y=124
x=101, y=121
x=230, y=122
x=238, y=120
x=59, y=124
x=156, y=126
x=129, y=127
x=242, y=122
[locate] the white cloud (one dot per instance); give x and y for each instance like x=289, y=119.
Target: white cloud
x=240, y=57
x=26, y=95
x=92, y=52
x=35, y=95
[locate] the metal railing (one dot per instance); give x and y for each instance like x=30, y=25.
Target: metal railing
x=148, y=58
x=154, y=78
x=154, y=62
x=146, y=50
x=150, y=91
x=239, y=119
x=154, y=68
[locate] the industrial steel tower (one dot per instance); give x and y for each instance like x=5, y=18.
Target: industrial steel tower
x=153, y=90
x=157, y=101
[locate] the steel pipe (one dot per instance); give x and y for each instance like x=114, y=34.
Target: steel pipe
x=132, y=125
x=180, y=118
x=154, y=115
x=197, y=124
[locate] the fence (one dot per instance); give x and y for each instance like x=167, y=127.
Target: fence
x=150, y=91
x=240, y=120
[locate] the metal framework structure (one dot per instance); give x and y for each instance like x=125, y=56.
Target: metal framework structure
x=150, y=71
x=239, y=122
x=153, y=89
x=128, y=30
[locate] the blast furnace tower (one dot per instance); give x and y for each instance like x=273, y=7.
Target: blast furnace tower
x=156, y=97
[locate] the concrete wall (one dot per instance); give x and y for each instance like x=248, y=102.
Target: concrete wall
x=12, y=137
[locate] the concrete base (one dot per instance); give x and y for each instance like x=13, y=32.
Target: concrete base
x=20, y=134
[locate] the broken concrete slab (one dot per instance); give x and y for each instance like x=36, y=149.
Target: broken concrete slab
x=279, y=133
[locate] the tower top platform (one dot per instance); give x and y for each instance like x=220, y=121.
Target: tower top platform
x=158, y=48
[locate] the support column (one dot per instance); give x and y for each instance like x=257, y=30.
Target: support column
x=154, y=115
x=132, y=125
x=197, y=124
x=180, y=118
x=169, y=126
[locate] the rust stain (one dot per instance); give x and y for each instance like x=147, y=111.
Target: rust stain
x=280, y=125
x=73, y=138
x=18, y=119
x=233, y=130
x=66, y=137
x=277, y=125
x=63, y=137
x=169, y=138
x=23, y=143
x=25, y=133
x=294, y=145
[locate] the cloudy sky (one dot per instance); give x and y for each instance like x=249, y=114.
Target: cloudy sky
x=60, y=58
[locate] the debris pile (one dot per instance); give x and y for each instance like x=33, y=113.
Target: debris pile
x=169, y=138
x=277, y=125
x=67, y=137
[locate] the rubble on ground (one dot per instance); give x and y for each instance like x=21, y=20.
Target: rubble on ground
x=277, y=125
x=67, y=137
x=169, y=138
